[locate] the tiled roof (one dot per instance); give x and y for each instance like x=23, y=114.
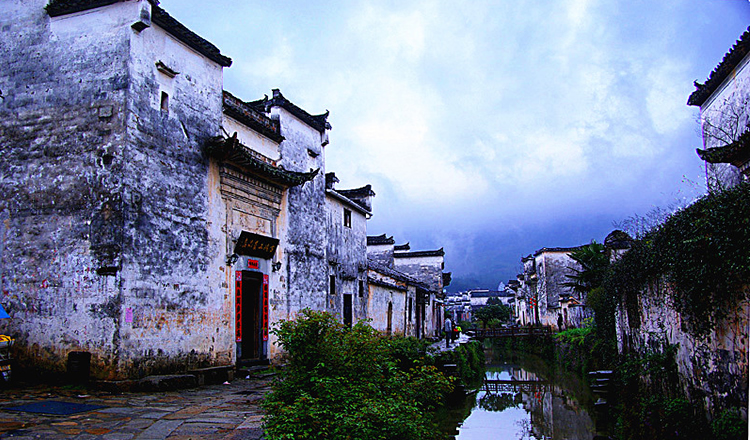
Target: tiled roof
x=438, y=253
x=395, y=274
x=56, y=8
x=365, y=191
x=158, y=16
x=251, y=117
x=725, y=68
x=182, y=33
x=402, y=247
x=556, y=249
x=737, y=153
x=382, y=283
x=379, y=239
x=318, y=122
x=359, y=196
x=231, y=150
x=352, y=203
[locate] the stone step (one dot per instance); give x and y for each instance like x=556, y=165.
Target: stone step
x=213, y=375
x=167, y=382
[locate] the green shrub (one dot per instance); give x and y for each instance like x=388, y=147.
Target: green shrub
x=575, y=336
x=351, y=383
x=729, y=426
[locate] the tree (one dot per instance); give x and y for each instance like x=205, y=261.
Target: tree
x=494, y=311
x=494, y=301
x=594, y=262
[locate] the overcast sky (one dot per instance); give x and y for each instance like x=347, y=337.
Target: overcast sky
x=489, y=128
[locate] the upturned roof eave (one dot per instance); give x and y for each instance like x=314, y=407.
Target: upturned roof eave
x=722, y=71
x=232, y=151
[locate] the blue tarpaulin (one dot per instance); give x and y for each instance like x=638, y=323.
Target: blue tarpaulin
x=3, y=313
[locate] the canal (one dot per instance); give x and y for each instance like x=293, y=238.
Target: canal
x=522, y=397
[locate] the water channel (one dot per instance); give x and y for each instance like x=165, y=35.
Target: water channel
x=523, y=398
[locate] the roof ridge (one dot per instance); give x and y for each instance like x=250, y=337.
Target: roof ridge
x=730, y=61
x=317, y=122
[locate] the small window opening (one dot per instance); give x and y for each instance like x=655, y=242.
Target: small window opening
x=164, y=102
x=332, y=285
x=410, y=306
x=347, y=218
x=361, y=288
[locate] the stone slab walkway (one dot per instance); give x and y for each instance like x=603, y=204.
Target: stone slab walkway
x=440, y=345
x=231, y=411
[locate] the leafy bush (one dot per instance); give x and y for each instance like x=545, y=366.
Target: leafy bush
x=351, y=383
x=729, y=426
x=575, y=336
x=469, y=358
x=491, y=312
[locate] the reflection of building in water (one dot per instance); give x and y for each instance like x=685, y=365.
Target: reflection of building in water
x=554, y=413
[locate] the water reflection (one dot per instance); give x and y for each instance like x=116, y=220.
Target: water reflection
x=526, y=400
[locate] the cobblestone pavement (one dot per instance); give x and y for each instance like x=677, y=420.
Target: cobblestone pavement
x=229, y=411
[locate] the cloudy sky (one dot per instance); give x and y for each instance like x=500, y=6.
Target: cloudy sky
x=489, y=128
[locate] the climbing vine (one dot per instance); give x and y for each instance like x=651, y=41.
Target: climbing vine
x=702, y=252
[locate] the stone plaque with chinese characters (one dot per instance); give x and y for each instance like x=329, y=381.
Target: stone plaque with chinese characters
x=255, y=245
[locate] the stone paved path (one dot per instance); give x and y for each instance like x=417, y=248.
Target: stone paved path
x=440, y=345
x=229, y=411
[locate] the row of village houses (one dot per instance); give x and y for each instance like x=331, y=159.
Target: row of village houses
x=542, y=294
x=161, y=223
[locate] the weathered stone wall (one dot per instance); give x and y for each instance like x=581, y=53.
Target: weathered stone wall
x=382, y=253
x=346, y=251
x=62, y=138
x=428, y=270
x=109, y=246
x=380, y=296
x=714, y=369
x=175, y=246
x=553, y=269
x=303, y=241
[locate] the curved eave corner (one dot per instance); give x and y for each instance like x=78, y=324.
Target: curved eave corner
x=232, y=151
x=735, y=153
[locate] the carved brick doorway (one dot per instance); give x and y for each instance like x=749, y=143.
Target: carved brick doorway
x=249, y=316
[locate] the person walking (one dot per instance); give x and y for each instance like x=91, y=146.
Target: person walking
x=448, y=329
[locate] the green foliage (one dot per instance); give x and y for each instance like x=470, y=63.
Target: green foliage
x=594, y=262
x=469, y=358
x=351, y=383
x=701, y=251
x=486, y=313
x=729, y=426
x=498, y=402
x=574, y=336
x=494, y=301
x=604, y=304
x=658, y=367
x=651, y=403
x=466, y=325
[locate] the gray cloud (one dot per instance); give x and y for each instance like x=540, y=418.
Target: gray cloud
x=491, y=128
